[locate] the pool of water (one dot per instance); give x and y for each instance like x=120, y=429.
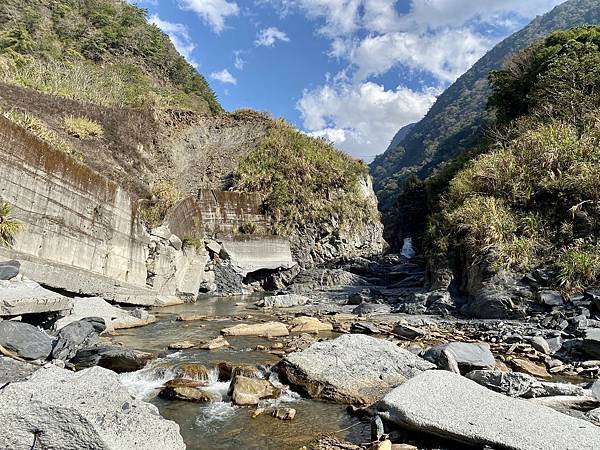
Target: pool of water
x=221, y=425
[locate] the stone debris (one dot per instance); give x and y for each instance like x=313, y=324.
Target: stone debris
x=28, y=297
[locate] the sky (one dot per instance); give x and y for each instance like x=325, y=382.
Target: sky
x=351, y=71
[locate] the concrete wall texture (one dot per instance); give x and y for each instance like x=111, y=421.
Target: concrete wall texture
x=72, y=215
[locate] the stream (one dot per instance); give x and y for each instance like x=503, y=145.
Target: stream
x=221, y=425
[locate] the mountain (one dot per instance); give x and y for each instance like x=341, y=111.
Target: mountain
x=456, y=120
x=98, y=51
x=400, y=135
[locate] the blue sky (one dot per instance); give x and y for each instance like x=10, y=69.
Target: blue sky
x=352, y=71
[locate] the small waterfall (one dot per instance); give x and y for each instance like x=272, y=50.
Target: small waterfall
x=408, y=251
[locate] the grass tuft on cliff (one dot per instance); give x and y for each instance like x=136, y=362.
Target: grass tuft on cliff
x=305, y=181
x=98, y=51
x=9, y=227
x=533, y=197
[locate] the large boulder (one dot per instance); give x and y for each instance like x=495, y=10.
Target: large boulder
x=9, y=269
x=268, y=329
x=516, y=384
x=91, y=409
x=28, y=297
x=73, y=337
x=246, y=391
x=12, y=370
x=591, y=342
x=467, y=356
x=115, y=318
x=284, y=301
x=355, y=369
x=453, y=407
x=117, y=359
x=25, y=340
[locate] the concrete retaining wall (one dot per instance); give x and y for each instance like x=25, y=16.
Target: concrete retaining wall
x=73, y=216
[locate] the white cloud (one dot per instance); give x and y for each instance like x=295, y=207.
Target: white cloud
x=213, y=12
x=179, y=35
x=224, y=76
x=361, y=118
x=268, y=37
x=239, y=62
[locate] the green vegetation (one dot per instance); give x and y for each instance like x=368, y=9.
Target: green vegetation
x=164, y=196
x=41, y=130
x=305, y=181
x=97, y=51
x=82, y=127
x=533, y=197
x=9, y=227
x=456, y=122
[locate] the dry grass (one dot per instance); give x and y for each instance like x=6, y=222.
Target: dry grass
x=82, y=127
x=164, y=196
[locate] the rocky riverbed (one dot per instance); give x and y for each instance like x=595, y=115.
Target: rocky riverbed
x=357, y=355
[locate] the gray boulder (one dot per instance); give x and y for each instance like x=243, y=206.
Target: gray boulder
x=515, y=384
x=9, y=269
x=73, y=337
x=591, y=342
x=25, y=340
x=284, y=301
x=354, y=369
x=453, y=407
x=91, y=409
x=365, y=309
x=28, y=297
x=551, y=298
x=468, y=356
x=12, y=370
x=117, y=359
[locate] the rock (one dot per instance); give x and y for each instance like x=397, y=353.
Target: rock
x=24, y=340
x=408, y=332
x=185, y=382
x=284, y=413
x=554, y=344
x=467, y=356
x=364, y=328
x=213, y=246
x=591, y=342
x=385, y=445
x=309, y=325
x=9, y=269
x=91, y=409
x=285, y=301
x=354, y=369
x=246, y=391
x=181, y=345
x=162, y=232
x=115, y=318
x=492, y=302
x=563, y=402
x=192, y=371
x=215, y=344
x=73, y=337
x=12, y=370
x=370, y=308
x=453, y=407
x=28, y=297
x=528, y=367
x=228, y=371
x=117, y=359
x=358, y=298
x=175, y=242
x=540, y=344
x=594, y=415
x=595, y=388
x=516, y=384
x=190, y=317
x=187, y=393
x=268, y=329
x=377, y=429
x=551, y=298
x=404, y=447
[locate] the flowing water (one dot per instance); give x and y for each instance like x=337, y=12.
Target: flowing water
x=221, y=425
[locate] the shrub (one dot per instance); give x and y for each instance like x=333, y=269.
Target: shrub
x=164, y=196
x=39, y=128
x=82, y=127
x=9, y=227
x=305, y=181
x=579, y=265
